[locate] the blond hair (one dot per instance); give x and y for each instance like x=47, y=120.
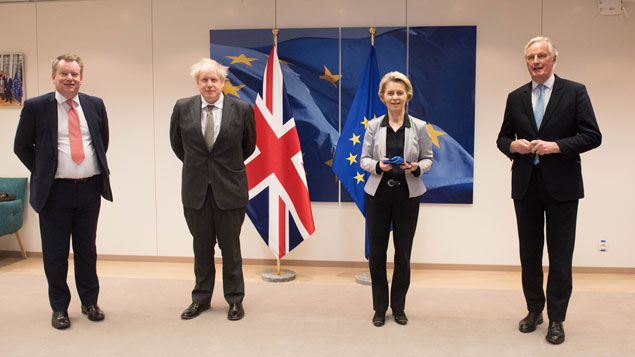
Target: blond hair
x=394, y=77
x=208, y=65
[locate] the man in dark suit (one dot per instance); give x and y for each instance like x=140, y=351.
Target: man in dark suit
x=62, y=138
x=547, y=124
x=212, y=135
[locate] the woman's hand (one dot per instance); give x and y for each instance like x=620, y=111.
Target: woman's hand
x=384, y=167
x=409, y=166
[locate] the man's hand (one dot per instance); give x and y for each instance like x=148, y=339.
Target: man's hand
x=540, y=147
x=521, y=146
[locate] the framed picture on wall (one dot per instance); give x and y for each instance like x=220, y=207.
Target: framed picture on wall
x=11, y=80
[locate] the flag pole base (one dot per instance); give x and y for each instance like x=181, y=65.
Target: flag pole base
x=364, y=278
x=273, y=276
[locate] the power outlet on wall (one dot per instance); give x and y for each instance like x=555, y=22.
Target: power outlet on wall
x=603, y=246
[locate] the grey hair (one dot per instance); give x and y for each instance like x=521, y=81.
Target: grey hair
x=552, y=48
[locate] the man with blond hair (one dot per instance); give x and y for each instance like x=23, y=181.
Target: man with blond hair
x=213, y=134
x=548, y=123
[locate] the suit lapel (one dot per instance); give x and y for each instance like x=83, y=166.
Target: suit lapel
x=89, y=114
x=529, y=108
x=51, y=108
x=554, y=99
x=228, y=115
x=194, y=116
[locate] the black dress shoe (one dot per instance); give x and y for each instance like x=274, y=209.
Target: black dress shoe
x=379, y=318
x=555, y=333
x=194, y=310
x=235, y=312
x=529, y=323
x=400, y=318
x=60, y=320
x=94, y=312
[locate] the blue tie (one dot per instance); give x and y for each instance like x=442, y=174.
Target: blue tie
x=539, y=112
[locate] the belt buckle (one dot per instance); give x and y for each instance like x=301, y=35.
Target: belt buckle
x=393, y=183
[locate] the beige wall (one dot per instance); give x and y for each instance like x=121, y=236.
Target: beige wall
x=137, y=54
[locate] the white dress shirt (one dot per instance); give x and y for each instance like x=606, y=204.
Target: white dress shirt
x=66, y=167
x=547, y=91
x=217, y=113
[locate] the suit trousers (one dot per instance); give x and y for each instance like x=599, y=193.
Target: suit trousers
x=390, y=205
x=72, y=210
x=209, y=225
x=561, y=216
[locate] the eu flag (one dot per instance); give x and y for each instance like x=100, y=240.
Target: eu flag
x=366, y=106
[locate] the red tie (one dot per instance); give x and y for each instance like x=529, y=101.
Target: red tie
x=75, y=134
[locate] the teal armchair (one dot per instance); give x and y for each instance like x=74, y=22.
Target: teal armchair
x=12, y=212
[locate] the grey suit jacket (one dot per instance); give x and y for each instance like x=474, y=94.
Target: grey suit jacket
x=417, y=148
x=223, y=167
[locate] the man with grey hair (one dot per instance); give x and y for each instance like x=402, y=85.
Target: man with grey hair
x=547, y=124
x=213, y=134
x=62, y=138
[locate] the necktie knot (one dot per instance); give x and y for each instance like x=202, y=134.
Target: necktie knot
x=71, y=106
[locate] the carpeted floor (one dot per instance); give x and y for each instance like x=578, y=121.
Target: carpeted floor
x=290, y=319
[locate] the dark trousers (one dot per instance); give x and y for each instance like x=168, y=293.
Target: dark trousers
x=561, y=222
x=72, y=210
x=209, y=225
x=390, y=205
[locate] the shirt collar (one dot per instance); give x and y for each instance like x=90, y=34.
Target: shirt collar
x=62, y=99
x=548, y=83
x=217, y=104
x=406, y=120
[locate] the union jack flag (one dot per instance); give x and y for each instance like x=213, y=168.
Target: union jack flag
x=279, y=204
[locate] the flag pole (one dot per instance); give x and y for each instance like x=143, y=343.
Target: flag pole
x=277, y=276
x=373, y=31
x=364, y=278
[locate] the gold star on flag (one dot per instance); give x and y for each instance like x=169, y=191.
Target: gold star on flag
x=228, y=88
x=355, y=139
x=351, y=158
x=330, y=77
x=359, y=177
x=365, y=122
x=242, y=59
x=434, y=134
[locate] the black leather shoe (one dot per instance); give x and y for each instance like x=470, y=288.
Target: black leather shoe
x=529, y=323
x=379, y=318
x=235, y=312
x=555, y=333
x=94, y=312
x=194, y=310
x=400, y=318
x=60, y=320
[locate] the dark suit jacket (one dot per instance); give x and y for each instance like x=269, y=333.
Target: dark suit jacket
x=569, y=121
x=224, y=166
x=36, y=142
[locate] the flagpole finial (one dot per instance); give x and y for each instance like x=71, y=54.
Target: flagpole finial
x=372, y=31
x=275, y=31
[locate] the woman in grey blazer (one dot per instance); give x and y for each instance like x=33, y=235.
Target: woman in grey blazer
x=392, y=192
